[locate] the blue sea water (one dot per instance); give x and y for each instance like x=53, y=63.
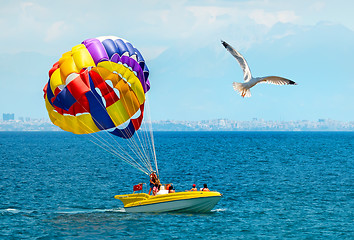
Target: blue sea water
x=275, y=185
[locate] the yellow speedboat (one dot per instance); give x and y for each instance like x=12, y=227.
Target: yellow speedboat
x=192, y=202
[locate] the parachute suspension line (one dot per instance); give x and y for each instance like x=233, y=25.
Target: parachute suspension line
x=146, y=141
x=133, y=145
x=103, y=140
x=125, y=156
x=141, y=148
x=136, y=139
x=148, y=131
x=152, y=143
x=136, y=166
x=142, y=139
x=145, y=157
x=111, y=148
x=144, y=146
x=145, y=132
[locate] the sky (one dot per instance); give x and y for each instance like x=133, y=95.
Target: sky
x=191, y=73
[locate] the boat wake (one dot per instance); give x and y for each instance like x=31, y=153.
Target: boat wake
x=219, y=210
x=15, y=211
x=9, y=210
x=63, y=211
x=121, y=210
x=83, y=211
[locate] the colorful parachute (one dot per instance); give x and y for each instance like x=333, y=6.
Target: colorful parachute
x=100, y=84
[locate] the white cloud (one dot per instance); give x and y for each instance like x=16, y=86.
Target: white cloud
x=270, y=18
x=283, y=35
x=153, y=23
x=287, y=17
x=317, y=6
x=56, y=30
x=209, y=14
x=26, y=5
x=151, y=53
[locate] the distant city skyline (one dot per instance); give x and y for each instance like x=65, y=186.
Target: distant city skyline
x=205, y=125
x=12, y=116
x=191, y=73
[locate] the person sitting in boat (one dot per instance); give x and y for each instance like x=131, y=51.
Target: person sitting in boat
x=153, y=180
x=205, y=188
x=155, y=189
x=194, y=188
x=171, y=190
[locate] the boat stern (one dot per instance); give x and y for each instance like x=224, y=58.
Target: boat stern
x=127, y=199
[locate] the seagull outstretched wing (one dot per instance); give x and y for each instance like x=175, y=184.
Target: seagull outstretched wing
x=241, y=60
x=277, y=80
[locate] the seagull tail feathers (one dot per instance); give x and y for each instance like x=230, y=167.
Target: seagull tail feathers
x=241, y=89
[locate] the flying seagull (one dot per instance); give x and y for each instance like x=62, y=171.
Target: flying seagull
x=249, y=81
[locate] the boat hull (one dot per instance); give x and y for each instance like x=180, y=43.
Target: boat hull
x=195, y=205
x=189, y=202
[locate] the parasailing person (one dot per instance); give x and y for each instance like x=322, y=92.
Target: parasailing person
x=154, y=180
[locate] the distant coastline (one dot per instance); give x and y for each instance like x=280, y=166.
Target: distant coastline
x=205, y=125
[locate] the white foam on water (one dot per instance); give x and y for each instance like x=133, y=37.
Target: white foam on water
x=219, y=210
x=82, y=211
x=115, y=210
x=13, y=210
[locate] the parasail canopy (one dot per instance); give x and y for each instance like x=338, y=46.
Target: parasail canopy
x=100, y=85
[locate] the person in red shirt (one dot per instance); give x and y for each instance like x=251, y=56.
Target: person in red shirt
x=205, y=188
x=171, y=190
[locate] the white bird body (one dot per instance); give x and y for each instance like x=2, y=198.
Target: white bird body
x=249, y=81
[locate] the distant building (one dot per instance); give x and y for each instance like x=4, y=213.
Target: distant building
x=8, y=116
